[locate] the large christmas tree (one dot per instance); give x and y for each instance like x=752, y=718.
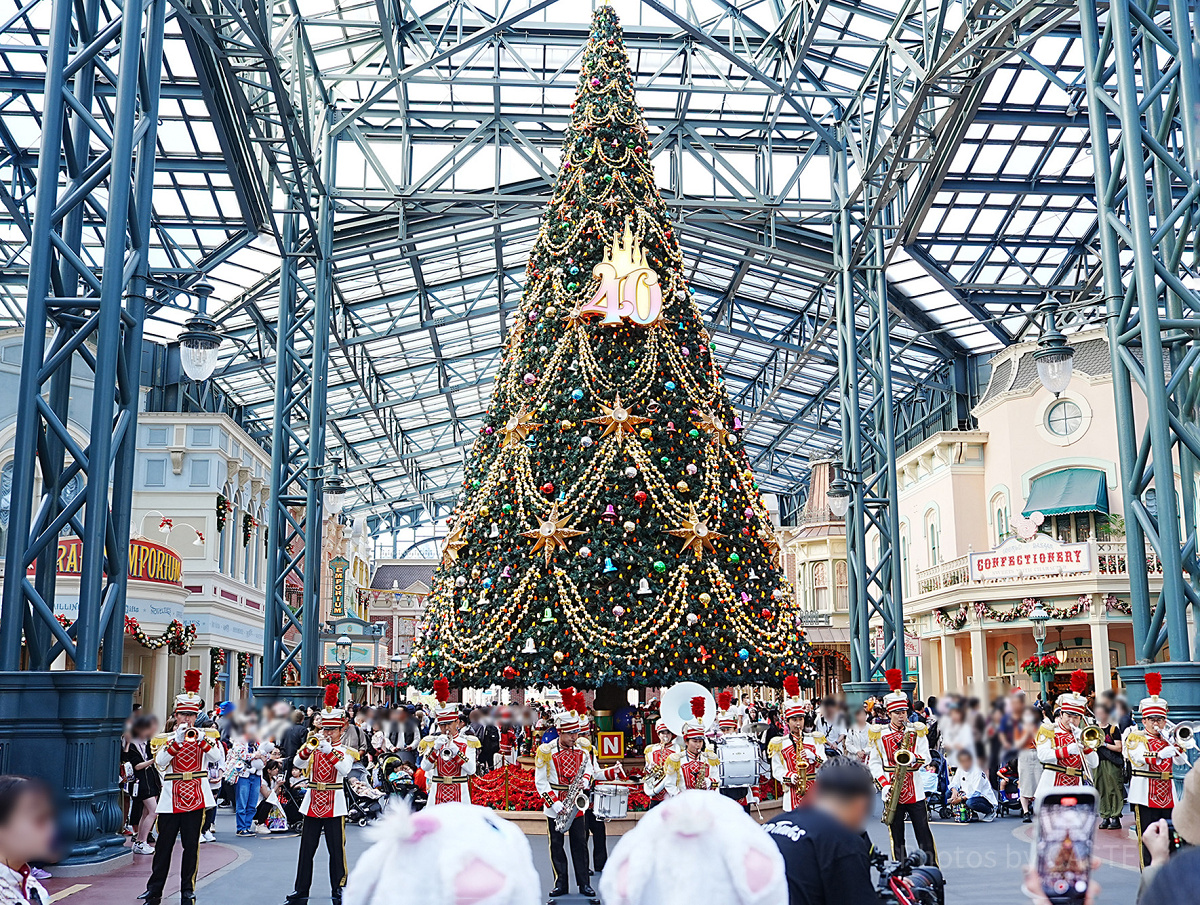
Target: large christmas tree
x=609, y=529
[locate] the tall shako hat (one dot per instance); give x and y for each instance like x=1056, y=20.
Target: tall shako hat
x=1155, y=704
x=333, y=716
x=726, y=718
x=444, y=712
x=793, y=704
x=1074, y=701
x=568, y=720
x=694, y=728
x=897, y=698
x=189, y=701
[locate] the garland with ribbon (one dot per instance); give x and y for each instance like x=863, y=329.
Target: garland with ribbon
x=1111, y=602
x=1025, y=607
x=243, y=667
x=216, y=660
x=376, y=675
x=830, y=652
x=224, y=507
x=178, y=637
x=953, y=621
x=249, y=523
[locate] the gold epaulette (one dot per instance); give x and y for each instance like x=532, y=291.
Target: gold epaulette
x=819, y=739
x=918, y=729
x=473, y=742
x=1044, y=732
x=425, y=744
x=584, y=744
x=544, y=755
x=875, y=732
x=713, y=760
x=160, y=741
x=649, y=752
x=775, y=746
x=354, y=754
x=1132, y=739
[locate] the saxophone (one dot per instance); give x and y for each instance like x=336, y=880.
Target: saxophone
x=574, y=802
x=802, y=769
x=904, y=760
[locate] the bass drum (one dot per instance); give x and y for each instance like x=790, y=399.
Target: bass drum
x=739, y=761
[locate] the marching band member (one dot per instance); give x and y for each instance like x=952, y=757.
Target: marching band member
x=654, y=781
x=182, y=757
x=693, y=767
x=556, y=766
x=324, y=761
x=508, y=738
x=729, y=723
x=595, y=826
x=1153, y=753
x=450, y=757
x=796, y=757
x=885, y=741
x=1060, y=746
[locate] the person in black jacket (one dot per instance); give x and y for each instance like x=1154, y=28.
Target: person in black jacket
x=825, y=854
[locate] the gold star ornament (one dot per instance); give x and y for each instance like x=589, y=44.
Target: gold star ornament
x=710, y=422
x=695, y=533
x=454, y=543
x=518, y=427
x=551, y=534
x=618, y=420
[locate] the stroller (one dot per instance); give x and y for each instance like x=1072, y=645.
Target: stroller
x=396, y=781
x=363, y=802
x=1009, y=794
x=938, y=800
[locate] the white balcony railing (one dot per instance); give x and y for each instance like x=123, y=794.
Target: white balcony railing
x=1109, y=559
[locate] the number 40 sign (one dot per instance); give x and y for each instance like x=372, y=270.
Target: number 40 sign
x=628, y=288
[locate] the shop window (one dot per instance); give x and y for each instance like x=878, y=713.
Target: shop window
x=821, y=586
x=931, y=532
x=841, y=600
x=1064, y=418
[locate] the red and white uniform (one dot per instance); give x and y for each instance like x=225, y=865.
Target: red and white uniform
x=786, y=762
x=555, y=767
x=325, y=772
x=508, y=747
x=656, y=756
x=1153, y=761
x=449, y=763
x=1061, y=752
x=184, y=768
x=685, y=771
x=883, y=743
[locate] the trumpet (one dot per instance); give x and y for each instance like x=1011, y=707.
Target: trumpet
x=191, y=734
x=312, y=743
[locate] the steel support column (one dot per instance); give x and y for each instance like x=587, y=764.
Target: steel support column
x=1141, y=71
x=868, y=443
x=296, y=518
x=79, y=313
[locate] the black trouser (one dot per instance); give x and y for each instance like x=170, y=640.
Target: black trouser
x=186, y=827
x=334, y=829
x=1143, y=816
x=595, y=827
x=558, y=855
x=210, y=819
x=918, y=814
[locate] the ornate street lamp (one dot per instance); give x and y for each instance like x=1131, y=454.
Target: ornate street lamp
x=1039, y=617
x=397, y=663
x=199, y=342
x=342, y=648
x=838, y=497
x=1054, y=355
x=335, y=488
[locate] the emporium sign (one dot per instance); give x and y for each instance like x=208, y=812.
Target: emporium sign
x=147, y=561
x=1036, y=558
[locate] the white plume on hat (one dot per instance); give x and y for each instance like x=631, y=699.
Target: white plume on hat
x=447, y=854
x=696, y=847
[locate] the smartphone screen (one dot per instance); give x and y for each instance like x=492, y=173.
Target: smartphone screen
x=1066, y=828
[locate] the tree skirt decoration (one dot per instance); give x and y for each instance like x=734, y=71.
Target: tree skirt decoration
x=610, y=530
x=243, y=667
x=952, y=621
x=224, y=507
x=178, y=637
x=216, y=660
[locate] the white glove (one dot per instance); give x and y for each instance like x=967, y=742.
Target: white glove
x=556, y=809
x=325, y=747
x=180, y=735
x=1169, y=752
x=256, y=765
x=1073, y=748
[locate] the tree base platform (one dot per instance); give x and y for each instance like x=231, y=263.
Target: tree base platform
x=533, y=823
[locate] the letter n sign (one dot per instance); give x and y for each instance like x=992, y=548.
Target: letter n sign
x=611, y=744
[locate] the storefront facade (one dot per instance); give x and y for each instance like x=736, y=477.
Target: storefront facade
x=1025, y=510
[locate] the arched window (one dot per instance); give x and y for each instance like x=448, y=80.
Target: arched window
x=999, y=512
x=821, y=586
x=841, y=579
x=931, y=536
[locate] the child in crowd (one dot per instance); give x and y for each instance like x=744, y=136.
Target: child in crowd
x=27, y=831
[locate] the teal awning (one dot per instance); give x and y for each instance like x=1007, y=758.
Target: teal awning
x=1069, y=490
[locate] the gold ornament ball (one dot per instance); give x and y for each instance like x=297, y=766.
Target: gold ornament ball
x=645, y=433
x=550, y=311
x=484, y=511
x=682, y=486
x=706, y=598
x=559, y=656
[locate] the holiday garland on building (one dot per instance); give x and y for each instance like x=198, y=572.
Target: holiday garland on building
x=243, y=667
x=216, y=668
x=177, y=637
x=609, y=530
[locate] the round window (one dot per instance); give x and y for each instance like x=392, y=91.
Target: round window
x=1064, y=418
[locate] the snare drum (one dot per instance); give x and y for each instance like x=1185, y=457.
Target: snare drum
x=610, y=801
x=739, y=761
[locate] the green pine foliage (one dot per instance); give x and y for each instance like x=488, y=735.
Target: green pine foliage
x=621, y=600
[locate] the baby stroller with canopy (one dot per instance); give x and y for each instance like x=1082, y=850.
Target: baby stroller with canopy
x=1008, y=796
x=938, y=798
x=396, y=781
x=363, y=801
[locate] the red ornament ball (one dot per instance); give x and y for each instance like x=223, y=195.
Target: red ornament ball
x=640, y=497
x=547, y=488
x=509, y=673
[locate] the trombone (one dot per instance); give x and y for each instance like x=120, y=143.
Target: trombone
x=1182, y=735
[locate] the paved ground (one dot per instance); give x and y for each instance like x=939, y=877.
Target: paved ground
x=982, y=863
